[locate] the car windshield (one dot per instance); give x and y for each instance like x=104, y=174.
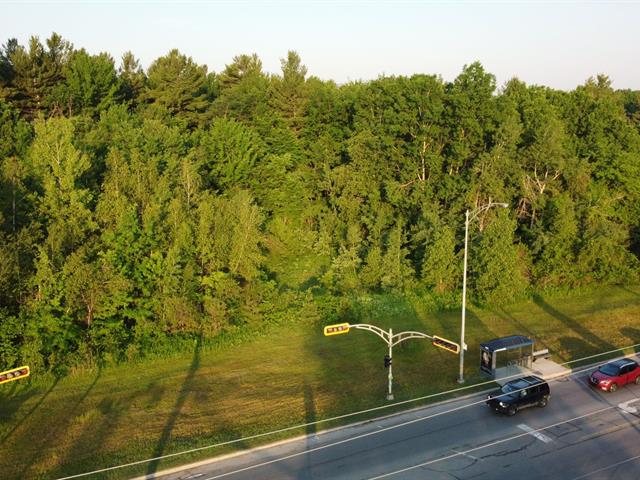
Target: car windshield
x=609, y=369
x=512, y=387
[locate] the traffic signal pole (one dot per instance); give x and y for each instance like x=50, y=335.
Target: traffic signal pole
x=391, y=340
x=390, y=392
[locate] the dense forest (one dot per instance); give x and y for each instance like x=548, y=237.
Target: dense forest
x=139, y=209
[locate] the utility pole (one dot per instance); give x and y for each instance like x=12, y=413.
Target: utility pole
x=468, y=216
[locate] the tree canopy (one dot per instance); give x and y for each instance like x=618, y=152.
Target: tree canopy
x=140, y=207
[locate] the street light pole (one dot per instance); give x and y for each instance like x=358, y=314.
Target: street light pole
x=468, y=216
x=464, y=296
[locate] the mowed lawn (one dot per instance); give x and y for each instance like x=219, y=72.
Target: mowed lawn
x=290, y=376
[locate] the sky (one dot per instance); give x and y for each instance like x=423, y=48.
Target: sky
x=557, y=44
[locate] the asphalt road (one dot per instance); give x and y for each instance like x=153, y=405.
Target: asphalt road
x=582, y=433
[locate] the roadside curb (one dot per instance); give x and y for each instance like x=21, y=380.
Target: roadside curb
x=226, y=456
x=551, y=377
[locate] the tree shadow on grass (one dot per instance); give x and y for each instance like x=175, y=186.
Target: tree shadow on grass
x=310, y=418
x=472, y=319
x=309, y=409
x=573, y=347
x=55, y=430
x=88, y=444
x=569, y=322
x=177, y=408
x=477, y=331
x=629, y=290
x=339, y=354
x=7, y=405
x=632, y=334
x=522, y=328
x=301, y=467
x=445, y=324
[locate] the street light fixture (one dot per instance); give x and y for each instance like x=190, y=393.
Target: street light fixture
x=468, y=217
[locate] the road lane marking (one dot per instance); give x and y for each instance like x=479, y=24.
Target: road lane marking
x=570, y=374
x=475, y=449
x=466, y=455
x=626, y=408
x=609, y=467
x=540, y=436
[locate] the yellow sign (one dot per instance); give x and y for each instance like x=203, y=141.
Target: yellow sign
x=446, y=344
x=14, y=374
x=336, y=329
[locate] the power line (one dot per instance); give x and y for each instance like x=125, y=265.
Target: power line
x=376, y=432
x=331, y=419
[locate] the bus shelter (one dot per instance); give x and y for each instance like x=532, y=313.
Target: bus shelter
x=506, y=355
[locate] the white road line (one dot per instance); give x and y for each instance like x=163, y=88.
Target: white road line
x=626, y=408
x=381, y=430
x=562, y=377
x=497, y=442
x=466, y=455
x=608, y=467
x=540, y=436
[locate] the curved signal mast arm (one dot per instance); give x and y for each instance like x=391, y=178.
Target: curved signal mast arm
x=402, y=336
x=383, y=334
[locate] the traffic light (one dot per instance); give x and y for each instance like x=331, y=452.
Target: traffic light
x=446, y=344
x=387, y=361
x=336, y=329
x=14, y=374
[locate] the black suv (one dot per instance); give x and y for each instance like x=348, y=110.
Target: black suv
x=520, y=393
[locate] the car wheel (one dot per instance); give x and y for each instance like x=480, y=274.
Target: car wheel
x=543, y=402
x=613, y=387
x=638, y=380
x=512, y=410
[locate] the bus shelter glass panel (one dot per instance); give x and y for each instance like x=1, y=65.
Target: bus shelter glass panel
x=511, y=352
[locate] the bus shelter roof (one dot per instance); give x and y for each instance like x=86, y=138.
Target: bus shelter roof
x=506, y=343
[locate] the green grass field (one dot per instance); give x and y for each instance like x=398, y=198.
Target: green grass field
x=288, y=376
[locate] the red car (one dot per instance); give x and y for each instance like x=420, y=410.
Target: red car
x=613, y=375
